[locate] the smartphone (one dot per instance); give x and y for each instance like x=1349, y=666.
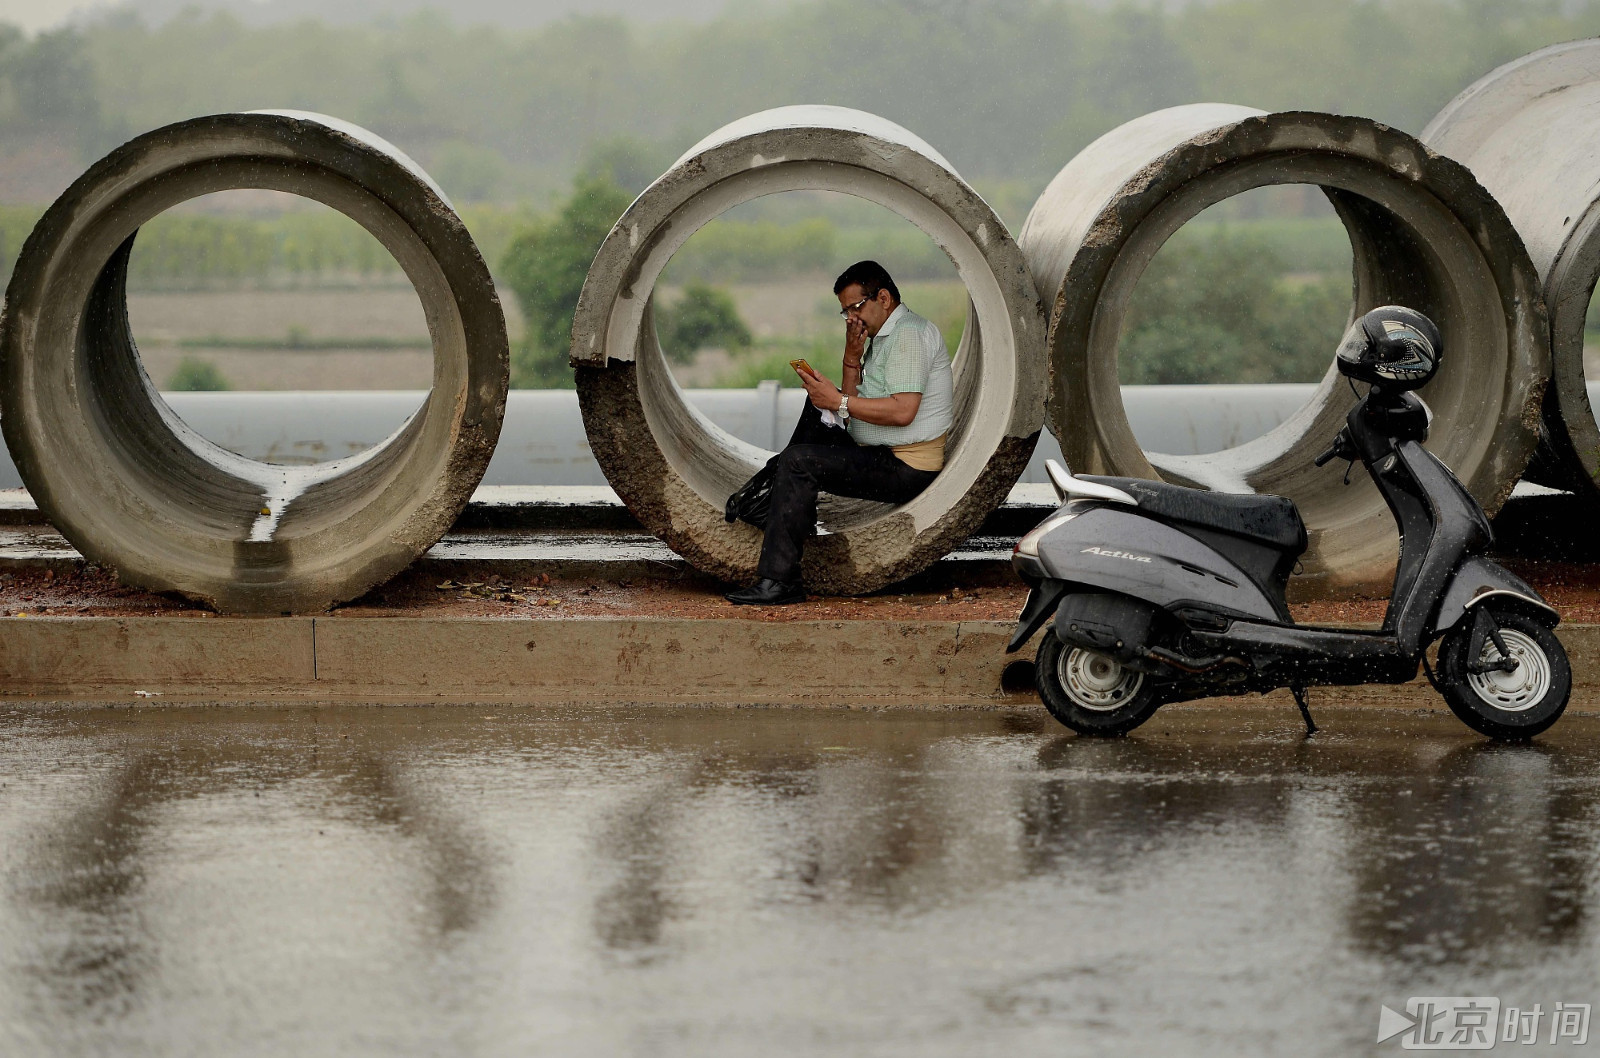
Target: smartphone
x=801, y=367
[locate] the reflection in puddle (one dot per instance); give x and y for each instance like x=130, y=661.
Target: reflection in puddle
x=1480, y=851
x=747, y=882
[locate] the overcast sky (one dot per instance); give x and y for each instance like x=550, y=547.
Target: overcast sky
x=40, y=14
x=45, y=14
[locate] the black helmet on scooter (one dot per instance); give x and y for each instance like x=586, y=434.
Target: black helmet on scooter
x=1392, y=346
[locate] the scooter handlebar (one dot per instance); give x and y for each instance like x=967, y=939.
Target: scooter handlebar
x=1340, y=449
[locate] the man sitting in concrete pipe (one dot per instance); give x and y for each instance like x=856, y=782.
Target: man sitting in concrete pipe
x=881, y=438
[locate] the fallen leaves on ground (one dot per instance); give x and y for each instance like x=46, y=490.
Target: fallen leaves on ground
x=497, y=590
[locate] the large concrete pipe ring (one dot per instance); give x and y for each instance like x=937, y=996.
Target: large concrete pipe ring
x=1529, y=132
x=674, y=468
x=133, y=487
x=1423, y=233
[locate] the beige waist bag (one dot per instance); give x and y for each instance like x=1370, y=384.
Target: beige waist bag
x=922, y=455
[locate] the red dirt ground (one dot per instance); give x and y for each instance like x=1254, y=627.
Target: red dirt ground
x=1573, y=589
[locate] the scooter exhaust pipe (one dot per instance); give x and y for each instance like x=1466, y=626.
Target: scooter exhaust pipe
x=1193, y=666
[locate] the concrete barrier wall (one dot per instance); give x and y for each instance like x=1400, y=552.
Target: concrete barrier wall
x=542, y=441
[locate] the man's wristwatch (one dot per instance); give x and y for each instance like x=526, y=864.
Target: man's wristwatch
x=844, y=409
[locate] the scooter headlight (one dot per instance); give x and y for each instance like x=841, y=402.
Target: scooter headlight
x=1029, y=545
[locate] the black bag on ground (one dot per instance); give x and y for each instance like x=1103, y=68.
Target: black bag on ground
x=753, y=502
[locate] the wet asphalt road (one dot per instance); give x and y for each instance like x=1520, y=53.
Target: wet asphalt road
x=494, y=881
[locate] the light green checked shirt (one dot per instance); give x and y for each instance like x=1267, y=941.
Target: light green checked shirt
x=907, y=355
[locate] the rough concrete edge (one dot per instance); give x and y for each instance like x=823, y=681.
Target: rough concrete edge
x=609, y=396
x=1165, y=169
x=1582, y=641
x=355, y=154
x=508, y=507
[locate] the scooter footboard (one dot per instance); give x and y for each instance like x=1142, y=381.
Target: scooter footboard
x=1285, y=655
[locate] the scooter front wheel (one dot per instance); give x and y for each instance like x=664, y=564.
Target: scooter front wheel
x=1089, y=692
x=1513, y=704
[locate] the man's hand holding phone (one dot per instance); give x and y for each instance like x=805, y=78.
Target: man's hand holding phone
x=822, y=392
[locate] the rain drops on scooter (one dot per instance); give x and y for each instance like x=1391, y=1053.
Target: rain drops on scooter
x=1190, y=599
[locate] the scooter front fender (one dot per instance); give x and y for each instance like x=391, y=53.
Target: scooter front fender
x=1477, y=581
x=1042, y=600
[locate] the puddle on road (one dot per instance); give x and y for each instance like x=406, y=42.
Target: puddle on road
x=492, y=880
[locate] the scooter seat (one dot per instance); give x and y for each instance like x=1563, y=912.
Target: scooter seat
x=1272, y=520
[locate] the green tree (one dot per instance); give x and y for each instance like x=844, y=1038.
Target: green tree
x=704, y=317
x=195, y=375
x=1219, y=308
x=984, y=82
x=545, y=267
x=52, y=86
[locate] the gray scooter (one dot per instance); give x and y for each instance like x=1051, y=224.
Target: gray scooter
x=1162, y=593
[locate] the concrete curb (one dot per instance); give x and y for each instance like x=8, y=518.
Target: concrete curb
x=661, y=660
x=668, y=661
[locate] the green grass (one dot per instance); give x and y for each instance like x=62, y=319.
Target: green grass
x=1305, y=244
x=944, y=302
x=769, y=359
x=203, y=251
x=195, y=375
x=299, y=342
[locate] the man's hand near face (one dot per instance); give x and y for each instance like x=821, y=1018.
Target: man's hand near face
x=863, y=316
x=855, y=342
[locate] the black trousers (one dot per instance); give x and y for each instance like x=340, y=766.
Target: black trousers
x=823, y=458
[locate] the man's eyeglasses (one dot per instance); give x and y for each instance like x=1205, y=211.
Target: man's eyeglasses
x=851, y=310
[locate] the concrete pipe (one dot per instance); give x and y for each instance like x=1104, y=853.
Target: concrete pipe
x=1423, y=233
x=133, y=487
x=674, y=468
x=1529, y=132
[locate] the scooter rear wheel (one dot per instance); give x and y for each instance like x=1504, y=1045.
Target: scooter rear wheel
x=1089, y=692
x=1509, y=705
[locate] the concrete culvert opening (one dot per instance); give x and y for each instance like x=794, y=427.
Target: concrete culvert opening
x=1422, y=233
x=1018, y=677
x=675, y=469
x=751, y=290
x=238, y=299
x=1230, y=327
x=1527, y=131
x=136, y=489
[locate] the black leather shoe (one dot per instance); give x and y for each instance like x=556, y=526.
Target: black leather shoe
x=767, y=592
